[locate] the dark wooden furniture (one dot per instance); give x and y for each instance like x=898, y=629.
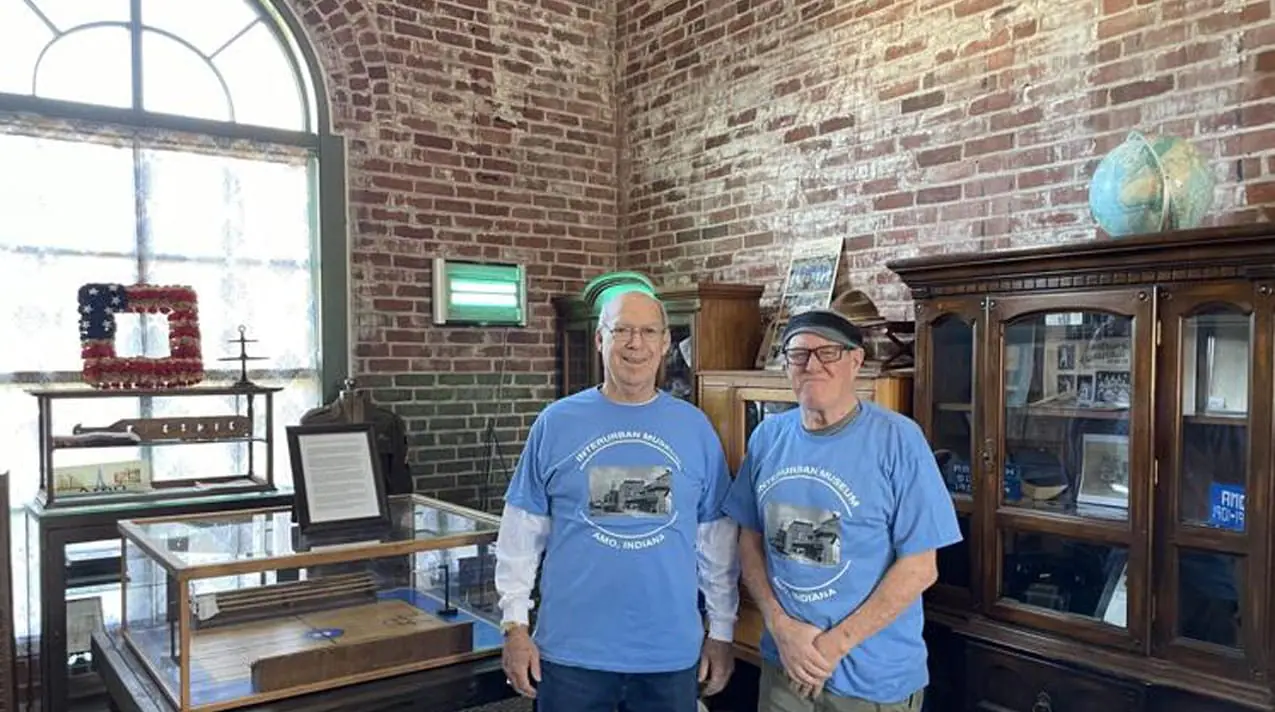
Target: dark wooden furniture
x=719, y=325
x=447, y=689
x=1102, y=413
x=8, y=670
x=74, y=548
x=737, y=401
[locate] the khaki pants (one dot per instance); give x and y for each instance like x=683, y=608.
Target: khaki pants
x=776, y=695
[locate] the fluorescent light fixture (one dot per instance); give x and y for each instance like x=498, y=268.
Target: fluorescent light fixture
x=472, y=293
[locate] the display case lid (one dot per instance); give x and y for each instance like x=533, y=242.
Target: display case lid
x=245, y=541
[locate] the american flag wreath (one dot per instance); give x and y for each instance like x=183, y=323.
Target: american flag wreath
x=98, y=305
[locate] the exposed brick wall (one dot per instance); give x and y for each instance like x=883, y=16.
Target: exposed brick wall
x=916, y=126
x=477, y=129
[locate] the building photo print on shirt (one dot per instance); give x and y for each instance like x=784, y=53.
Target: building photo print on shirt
x=630, y=491
x=806, y=535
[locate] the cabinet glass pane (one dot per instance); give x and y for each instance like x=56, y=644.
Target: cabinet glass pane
x=1067, y=380
x=678, y=362
x=954, y=560
x=1209, y=586
x=1214, y=443
x=757, y=411
x=951, y=433
x=578, y=350
x=93, y=601
x=1066, y=575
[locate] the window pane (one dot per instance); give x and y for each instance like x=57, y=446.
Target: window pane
x=67, y=196
x=22, y=36
x=275, y=304
x=210, y=206
x=19, y=435
x=69, y=14
x=176, y=80
x=262, y=83
x=41, y=310
x=276, y=211
x=207, y=24
x=91, y=66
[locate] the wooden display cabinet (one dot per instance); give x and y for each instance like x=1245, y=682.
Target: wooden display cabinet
x=713, y=326
x=1102, y=412
x=737, y=401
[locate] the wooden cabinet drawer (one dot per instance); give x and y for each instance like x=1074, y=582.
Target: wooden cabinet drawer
x=1001, y=681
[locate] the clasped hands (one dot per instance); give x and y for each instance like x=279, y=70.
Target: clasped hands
x=809, y=655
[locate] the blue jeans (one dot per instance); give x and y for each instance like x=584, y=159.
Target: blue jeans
x=572, y=689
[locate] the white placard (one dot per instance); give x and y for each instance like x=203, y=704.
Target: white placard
x=340, y=483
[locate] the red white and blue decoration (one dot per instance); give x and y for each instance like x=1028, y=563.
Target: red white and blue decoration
x=98, y=305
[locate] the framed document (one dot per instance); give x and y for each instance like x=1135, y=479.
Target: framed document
x=337, y=476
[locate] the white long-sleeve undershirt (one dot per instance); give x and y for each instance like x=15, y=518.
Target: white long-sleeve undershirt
x=522, y=540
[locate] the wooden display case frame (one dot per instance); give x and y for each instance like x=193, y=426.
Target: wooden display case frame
x=723, y=319
x=180, y=575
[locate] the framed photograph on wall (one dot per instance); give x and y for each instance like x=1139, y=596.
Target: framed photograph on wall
x=337, y=475
x=1104, y=470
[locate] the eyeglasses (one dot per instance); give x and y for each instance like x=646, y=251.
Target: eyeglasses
x=826, y=354
x=644, y=333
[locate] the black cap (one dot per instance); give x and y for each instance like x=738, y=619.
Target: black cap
x=827, y=323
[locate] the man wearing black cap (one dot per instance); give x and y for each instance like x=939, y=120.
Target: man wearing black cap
x=841, y=509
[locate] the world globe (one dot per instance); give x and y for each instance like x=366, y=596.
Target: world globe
x=1149, y=184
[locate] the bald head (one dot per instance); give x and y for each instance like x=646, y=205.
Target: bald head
x=637, y=307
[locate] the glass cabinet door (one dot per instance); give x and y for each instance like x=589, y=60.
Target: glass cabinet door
x=759, y=404
x=1072, y=450
x=1206, y=562
x=678, y=370
x=947, y=413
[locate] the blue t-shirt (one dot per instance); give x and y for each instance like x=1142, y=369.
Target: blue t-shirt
x=625, y=487
x=835, y=511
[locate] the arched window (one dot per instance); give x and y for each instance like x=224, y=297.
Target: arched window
x=168, y=142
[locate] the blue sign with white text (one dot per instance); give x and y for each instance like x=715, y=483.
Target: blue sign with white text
x=1226, y=506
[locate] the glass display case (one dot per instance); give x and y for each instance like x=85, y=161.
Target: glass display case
x=232, y=609
x=68, y=584
x=100, y=446
x=1104, y=434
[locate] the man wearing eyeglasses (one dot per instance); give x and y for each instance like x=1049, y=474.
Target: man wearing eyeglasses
x=621, y=488
x=841, y=508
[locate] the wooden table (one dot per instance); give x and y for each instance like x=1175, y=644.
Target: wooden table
x=447, y=689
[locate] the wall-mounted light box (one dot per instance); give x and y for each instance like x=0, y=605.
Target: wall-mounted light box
x=470, y=293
